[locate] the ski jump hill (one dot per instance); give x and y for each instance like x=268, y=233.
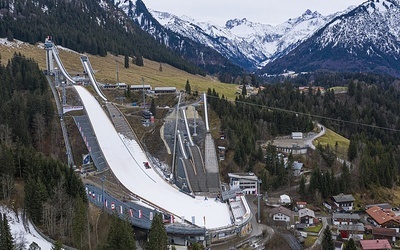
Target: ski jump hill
x=130, y=165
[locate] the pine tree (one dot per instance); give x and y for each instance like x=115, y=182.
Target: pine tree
x=197, y=246
x=327, y=242
x=121, y=235
x=187, y=87
x=57, y=245
x=302, y=187
x=6, y=239
x=352, y=151
x=244, y=90
x=351, y=245
x=139, y=60
x=126, y=62
x=153, y=107
x=158, y=235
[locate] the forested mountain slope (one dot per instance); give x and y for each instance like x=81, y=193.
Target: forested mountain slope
x=96, y=27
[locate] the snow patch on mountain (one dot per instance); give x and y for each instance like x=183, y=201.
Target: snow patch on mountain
x=374, y=23
x=240, y=38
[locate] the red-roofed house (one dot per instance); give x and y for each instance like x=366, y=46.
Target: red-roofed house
x=383, y=217
x=375, y=244
x=301, y=204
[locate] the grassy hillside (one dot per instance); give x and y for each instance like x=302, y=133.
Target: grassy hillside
x=105, y=70
x=331, y=138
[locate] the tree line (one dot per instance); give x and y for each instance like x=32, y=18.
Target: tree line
x=85, y=27
x=368, y=113
x=54, y=196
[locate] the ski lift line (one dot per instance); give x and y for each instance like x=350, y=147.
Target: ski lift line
x=60, y=64
x=187, y=127
x=206, y=112
x=314, y=116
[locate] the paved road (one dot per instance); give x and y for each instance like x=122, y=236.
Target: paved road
x=321, y=233
x=308, y=141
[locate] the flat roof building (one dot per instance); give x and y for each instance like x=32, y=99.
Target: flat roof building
x=247, y=182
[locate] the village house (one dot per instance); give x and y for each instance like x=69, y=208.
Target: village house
x=355, y=231
x=306, y=216
x=345, y=219
x=383, y=217
x=343, y=202
x=301, y=204
x=375, y=245
x=281, y=214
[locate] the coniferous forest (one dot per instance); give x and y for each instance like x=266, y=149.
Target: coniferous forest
x=368, y=114
x=84, y=26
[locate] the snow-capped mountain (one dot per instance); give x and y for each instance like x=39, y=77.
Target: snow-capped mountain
x=254, y=44
x=202, y=55
x=364, y=39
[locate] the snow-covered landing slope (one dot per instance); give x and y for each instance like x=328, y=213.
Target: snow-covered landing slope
x=126, y=158
x=21, y=233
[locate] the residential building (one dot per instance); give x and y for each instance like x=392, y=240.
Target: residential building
x=247, y=182
x=297, y=168
x=345, y=219
x=355, y=231
x=383, y=217
x=385, y=233
x=306, y=216
x=375, y=245
x=301, y=204
x=281, y=214
x=343, y=202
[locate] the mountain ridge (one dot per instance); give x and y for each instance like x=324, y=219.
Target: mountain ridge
x=366, y=39
x=250, y=44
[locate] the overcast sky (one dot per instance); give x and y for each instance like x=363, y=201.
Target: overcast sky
x=262, y=11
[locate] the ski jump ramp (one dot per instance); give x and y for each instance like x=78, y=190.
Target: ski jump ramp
x=127, y=161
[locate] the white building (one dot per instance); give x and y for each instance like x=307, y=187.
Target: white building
x=281, y=214
x=297, y=135
x=285, y=199
x=306, y=216
x=247, y=182
x=344, y=201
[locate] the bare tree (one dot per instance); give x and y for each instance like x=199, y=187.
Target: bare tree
x=5, y=135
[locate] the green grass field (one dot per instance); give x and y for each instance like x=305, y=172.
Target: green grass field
x=105, y=69
x=339, y=89
x=314, y=229
x=331, y=138
x=309, y=241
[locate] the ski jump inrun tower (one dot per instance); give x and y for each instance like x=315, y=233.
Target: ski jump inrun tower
x=48, y=45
